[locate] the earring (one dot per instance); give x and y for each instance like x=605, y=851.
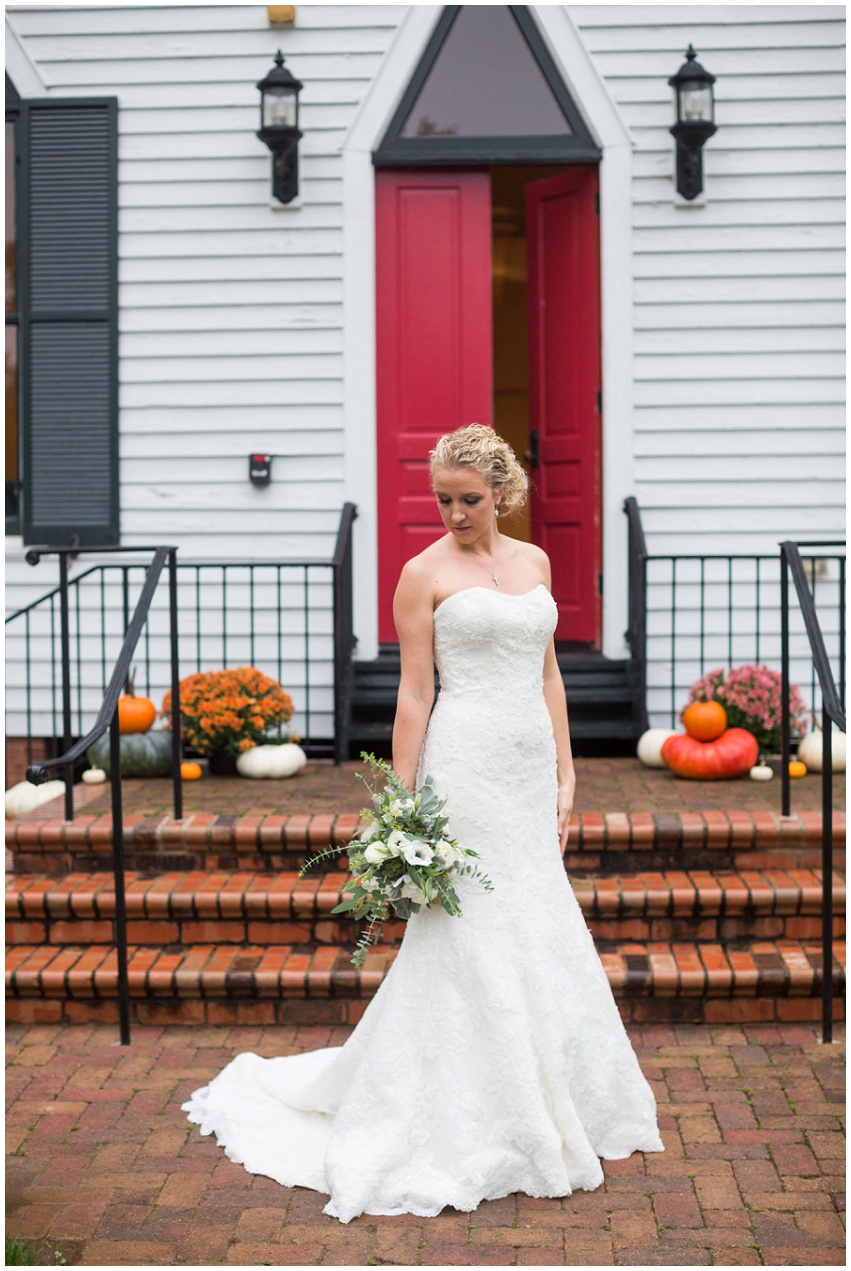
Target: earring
x=496, y=510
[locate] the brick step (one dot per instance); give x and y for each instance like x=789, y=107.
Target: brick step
x=613, y=842
x=260, y=908
x=756, y=980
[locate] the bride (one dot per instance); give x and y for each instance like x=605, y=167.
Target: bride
x=493, y=1058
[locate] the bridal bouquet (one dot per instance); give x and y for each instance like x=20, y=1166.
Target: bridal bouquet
x=402, y=859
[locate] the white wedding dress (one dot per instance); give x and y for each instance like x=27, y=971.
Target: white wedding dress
x=493, y=1058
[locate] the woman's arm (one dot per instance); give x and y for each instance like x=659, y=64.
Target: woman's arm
x=413, y=613
x=557, y=706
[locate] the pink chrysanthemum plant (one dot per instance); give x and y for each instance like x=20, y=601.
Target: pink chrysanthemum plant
x=751, y=696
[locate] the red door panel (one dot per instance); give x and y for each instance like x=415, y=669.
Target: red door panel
x=564, y=382
x=434, y=346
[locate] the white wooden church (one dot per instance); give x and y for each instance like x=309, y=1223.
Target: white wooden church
x=487, y=218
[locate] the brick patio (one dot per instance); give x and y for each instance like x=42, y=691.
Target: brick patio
x=103, y=1164
x=601, y=785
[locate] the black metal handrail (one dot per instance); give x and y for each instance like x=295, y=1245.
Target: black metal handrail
x=832, y=713
x=636, y=632
x=344, y=637
x=107, y=718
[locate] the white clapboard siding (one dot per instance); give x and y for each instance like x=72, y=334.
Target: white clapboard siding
x=146, y=19
x=689, y=320
x=298, y=427
x=737, y=340
x=167, y=346
x=230, y=310
x=786, y=446
x=233, y=319
x=739, y=324
x=306, y=458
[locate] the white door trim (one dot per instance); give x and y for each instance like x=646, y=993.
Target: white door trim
x=601, y=114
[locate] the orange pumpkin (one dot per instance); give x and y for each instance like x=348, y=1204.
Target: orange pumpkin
x=190, y=771
x=705, y=720
x=796, y=768
x=135, y=714
x=731, y=755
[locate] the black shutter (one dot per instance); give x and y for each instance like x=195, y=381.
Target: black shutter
x=70, y=321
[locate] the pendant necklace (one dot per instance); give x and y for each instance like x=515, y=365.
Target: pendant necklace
x=492, y=572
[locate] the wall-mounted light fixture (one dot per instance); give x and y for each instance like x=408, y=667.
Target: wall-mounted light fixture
x=695, y=122
x=279, y=127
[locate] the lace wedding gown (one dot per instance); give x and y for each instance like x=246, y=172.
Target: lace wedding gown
x=493, y=1058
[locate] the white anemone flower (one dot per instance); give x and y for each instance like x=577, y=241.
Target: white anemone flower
x=418, y=852
x=397, y=842
x=376, y=853
x=447, y=853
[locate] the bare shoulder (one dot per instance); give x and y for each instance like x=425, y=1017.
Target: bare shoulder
x=417, y=582
x=535, y=559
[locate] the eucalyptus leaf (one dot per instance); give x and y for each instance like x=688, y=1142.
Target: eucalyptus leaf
x=346, y=905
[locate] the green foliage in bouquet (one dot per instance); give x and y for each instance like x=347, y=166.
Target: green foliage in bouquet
x=402, y=859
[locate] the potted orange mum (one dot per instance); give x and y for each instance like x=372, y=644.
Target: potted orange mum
x=223, y=714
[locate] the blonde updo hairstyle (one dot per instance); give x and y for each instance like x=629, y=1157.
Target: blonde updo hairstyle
x=478, y=447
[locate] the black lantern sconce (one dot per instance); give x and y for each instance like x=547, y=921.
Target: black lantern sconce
x=279, y=128
x=695, y=122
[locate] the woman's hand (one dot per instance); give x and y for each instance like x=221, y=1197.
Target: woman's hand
x=566, y=793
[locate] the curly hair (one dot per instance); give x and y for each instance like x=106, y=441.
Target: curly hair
x=477, y=446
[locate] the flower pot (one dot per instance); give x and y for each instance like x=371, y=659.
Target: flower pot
x=221, y=764
x=775, y=762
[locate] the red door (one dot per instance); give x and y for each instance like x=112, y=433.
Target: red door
x=434, y=346
x=564, y=384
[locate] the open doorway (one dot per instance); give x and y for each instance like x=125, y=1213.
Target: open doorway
x=546, y=372
x=510, y=273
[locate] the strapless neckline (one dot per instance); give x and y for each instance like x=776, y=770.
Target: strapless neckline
x=506, y=595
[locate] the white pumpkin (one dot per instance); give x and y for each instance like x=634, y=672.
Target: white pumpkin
x=265, y=762
x=810, y=750
x=94, y=776
x=761, y=772
x=650, y=746
x=25, y=796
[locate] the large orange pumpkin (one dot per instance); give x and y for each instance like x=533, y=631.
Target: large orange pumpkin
x=135, y=714
x=731, y=755
x=705, y=720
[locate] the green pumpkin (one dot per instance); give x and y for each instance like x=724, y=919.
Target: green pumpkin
x=142, y=754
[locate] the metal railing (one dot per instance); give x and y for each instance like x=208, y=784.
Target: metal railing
x=833, y=712
x=636, y=632
x=61, y=594
x=290, y=618
x=107, y=718
x=344, y=636
x=690, y=613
